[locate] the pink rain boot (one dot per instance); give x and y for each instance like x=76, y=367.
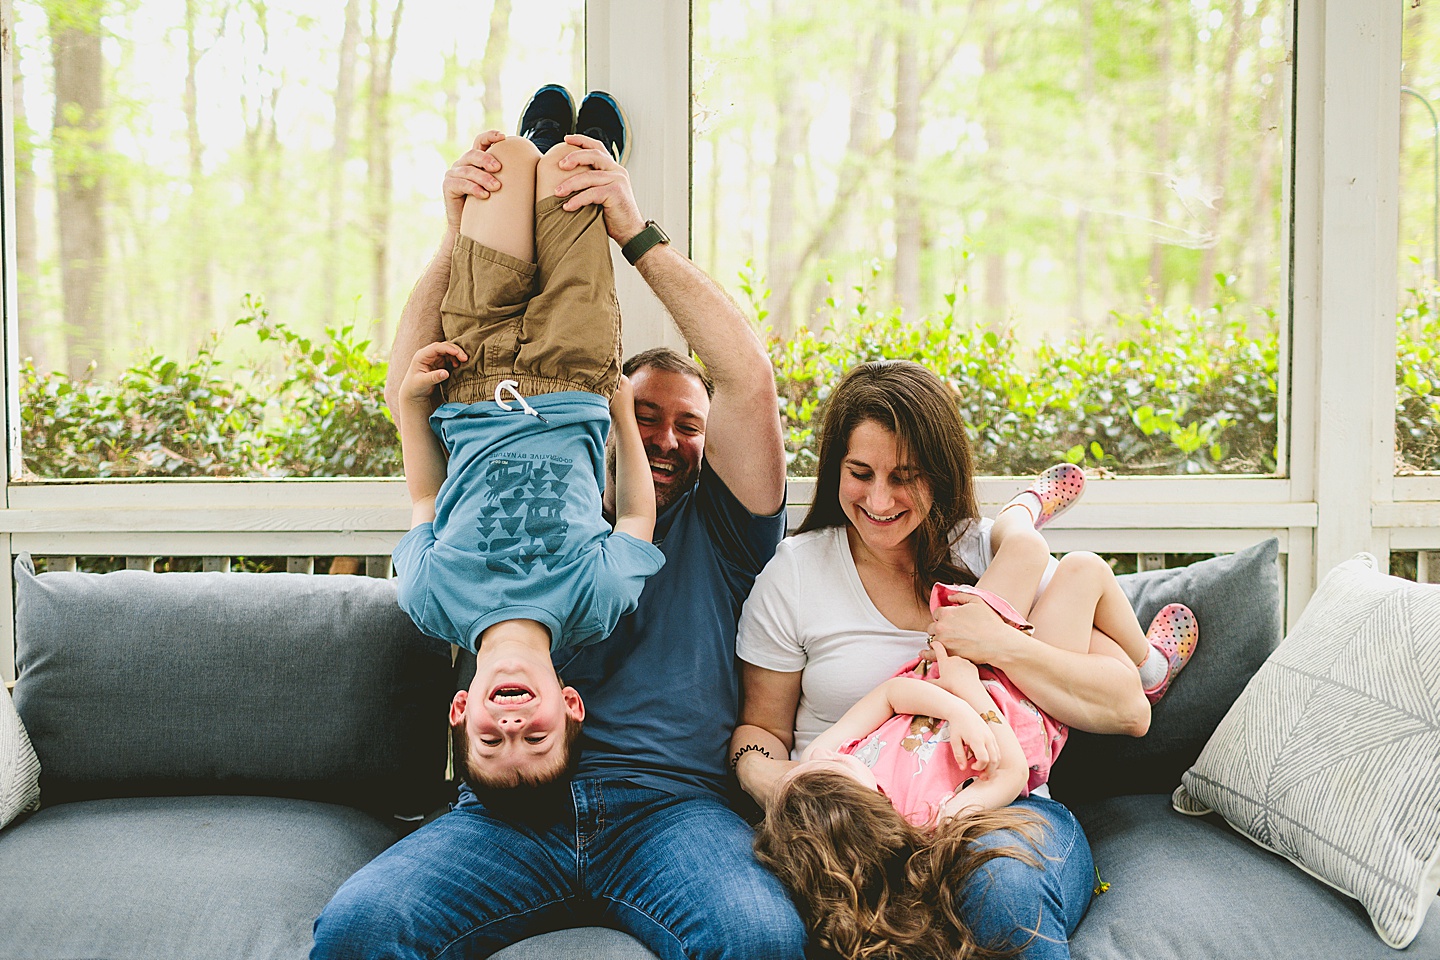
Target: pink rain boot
x=1174, y=633
x=1052, y=493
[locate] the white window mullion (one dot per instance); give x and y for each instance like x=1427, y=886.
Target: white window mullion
x=639, y=50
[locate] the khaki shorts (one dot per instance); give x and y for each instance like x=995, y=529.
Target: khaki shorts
x=552, y=325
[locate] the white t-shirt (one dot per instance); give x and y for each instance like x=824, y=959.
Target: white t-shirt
x=809, y=612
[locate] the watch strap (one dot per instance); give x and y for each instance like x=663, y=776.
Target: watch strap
x=641, y=243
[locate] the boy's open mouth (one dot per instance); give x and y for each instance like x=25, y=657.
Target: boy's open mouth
x=511, y=694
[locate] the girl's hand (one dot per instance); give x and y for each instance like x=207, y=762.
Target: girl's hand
x=951, y=670
x=430, y=365
x=973, y=741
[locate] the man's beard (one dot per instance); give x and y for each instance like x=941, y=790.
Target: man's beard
x=684, y=478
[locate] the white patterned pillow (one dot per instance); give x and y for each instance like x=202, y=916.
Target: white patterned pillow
x=19, y=767
x=1331, y=755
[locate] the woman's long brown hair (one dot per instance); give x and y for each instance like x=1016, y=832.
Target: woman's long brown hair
x=915, y=405
x=868, y=884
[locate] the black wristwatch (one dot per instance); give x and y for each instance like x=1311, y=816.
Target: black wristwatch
x=641, y=243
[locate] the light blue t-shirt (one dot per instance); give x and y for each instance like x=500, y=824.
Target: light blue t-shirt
x=518, y=531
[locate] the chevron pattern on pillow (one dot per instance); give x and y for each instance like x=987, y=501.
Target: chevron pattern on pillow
x=1331, y=755
x=19, y=767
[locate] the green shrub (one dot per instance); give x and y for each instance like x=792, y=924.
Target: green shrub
x=1160, y=392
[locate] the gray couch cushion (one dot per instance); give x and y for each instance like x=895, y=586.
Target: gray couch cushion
x=143, y=684
x=1236, y=599
x=582, y=943
x=186, y=877
x=1191, y=888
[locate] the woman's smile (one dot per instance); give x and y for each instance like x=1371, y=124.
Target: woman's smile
x=886, y=499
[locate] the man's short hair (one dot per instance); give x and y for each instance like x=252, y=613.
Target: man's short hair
x=664, y=358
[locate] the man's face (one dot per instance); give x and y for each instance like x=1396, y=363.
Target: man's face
x=671, y=410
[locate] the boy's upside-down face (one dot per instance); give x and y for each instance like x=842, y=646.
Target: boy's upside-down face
x=516, y=718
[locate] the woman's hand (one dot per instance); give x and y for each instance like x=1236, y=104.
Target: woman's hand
x=972, y=631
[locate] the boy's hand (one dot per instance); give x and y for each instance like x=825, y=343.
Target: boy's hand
x=473, y=175
x=430, y=365
x=622, y=401
x=598, y=179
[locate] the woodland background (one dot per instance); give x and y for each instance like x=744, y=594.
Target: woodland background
x=1072, y=209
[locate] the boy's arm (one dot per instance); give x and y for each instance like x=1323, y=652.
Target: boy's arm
x=420, y=449
x=634, y=486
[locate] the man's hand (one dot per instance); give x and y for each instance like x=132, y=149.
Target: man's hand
x=430, y=365
x=473, y=175
x=598, y=179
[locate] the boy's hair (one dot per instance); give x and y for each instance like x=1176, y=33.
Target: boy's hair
x=495, y=787
x=870, y=884
x=673, y=361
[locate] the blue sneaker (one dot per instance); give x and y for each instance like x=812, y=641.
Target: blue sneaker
x=548, y=117
x=601, y=117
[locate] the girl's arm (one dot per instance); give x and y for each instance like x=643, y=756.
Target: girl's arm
x=420, y=449
x=634, y=487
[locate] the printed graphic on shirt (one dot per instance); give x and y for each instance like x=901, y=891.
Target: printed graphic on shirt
x=521, y=520
x=926, y=734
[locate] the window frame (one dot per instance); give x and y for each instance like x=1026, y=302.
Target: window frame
x=1340, y=495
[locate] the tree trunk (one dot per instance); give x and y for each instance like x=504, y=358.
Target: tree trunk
x=993, y=258
x=860, y=151
x=1158, y=186
x=906, y=188
x=80, y=184
x=790, y=127
x=382, y=63
x=27, y=226
x=492, y=65
x=197, y=316
x=1222, y=126
x=451, y=81
x=339, y=153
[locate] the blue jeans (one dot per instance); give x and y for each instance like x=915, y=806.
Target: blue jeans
x=678, y=874
x=1007, y=900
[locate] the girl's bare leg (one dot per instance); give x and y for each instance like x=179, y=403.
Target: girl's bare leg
x=505, y=221
x=1083, y=606
x=1020, y=556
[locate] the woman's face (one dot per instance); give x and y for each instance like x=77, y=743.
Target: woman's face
x=884, y=499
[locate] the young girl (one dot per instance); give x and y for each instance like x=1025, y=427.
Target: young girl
x=873, y=831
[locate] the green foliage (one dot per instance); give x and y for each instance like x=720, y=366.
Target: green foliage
x=1417, y=385
x=332, y=393
x=1163, y=392
x=321, y=413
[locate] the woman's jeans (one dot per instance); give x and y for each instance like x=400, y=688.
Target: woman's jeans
x=676, y=873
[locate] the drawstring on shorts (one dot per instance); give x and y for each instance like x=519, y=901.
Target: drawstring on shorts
x=513, y=388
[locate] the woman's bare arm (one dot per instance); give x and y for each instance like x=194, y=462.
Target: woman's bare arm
x=766, y=733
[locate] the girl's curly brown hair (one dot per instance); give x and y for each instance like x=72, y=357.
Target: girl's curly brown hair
x=868, y=884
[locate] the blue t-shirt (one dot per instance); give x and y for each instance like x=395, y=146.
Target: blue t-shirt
x=662, y=693
x=518, y=531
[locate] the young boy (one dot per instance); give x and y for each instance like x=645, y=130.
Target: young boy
x=508, y=553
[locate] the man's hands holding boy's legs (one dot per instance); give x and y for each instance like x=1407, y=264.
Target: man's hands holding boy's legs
x=599, y=179
x=473, y=175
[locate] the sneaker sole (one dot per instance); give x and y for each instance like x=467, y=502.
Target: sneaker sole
x=625, y=124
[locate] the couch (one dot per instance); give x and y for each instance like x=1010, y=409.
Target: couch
x=220, y=751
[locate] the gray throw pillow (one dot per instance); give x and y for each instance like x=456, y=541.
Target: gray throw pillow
x=315, y=687
x=1236, y=599
x=1331, y=756
x=19, y=767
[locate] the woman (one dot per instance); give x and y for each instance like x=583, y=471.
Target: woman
x=844, y=603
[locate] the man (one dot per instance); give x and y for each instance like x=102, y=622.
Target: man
x=642, y=839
